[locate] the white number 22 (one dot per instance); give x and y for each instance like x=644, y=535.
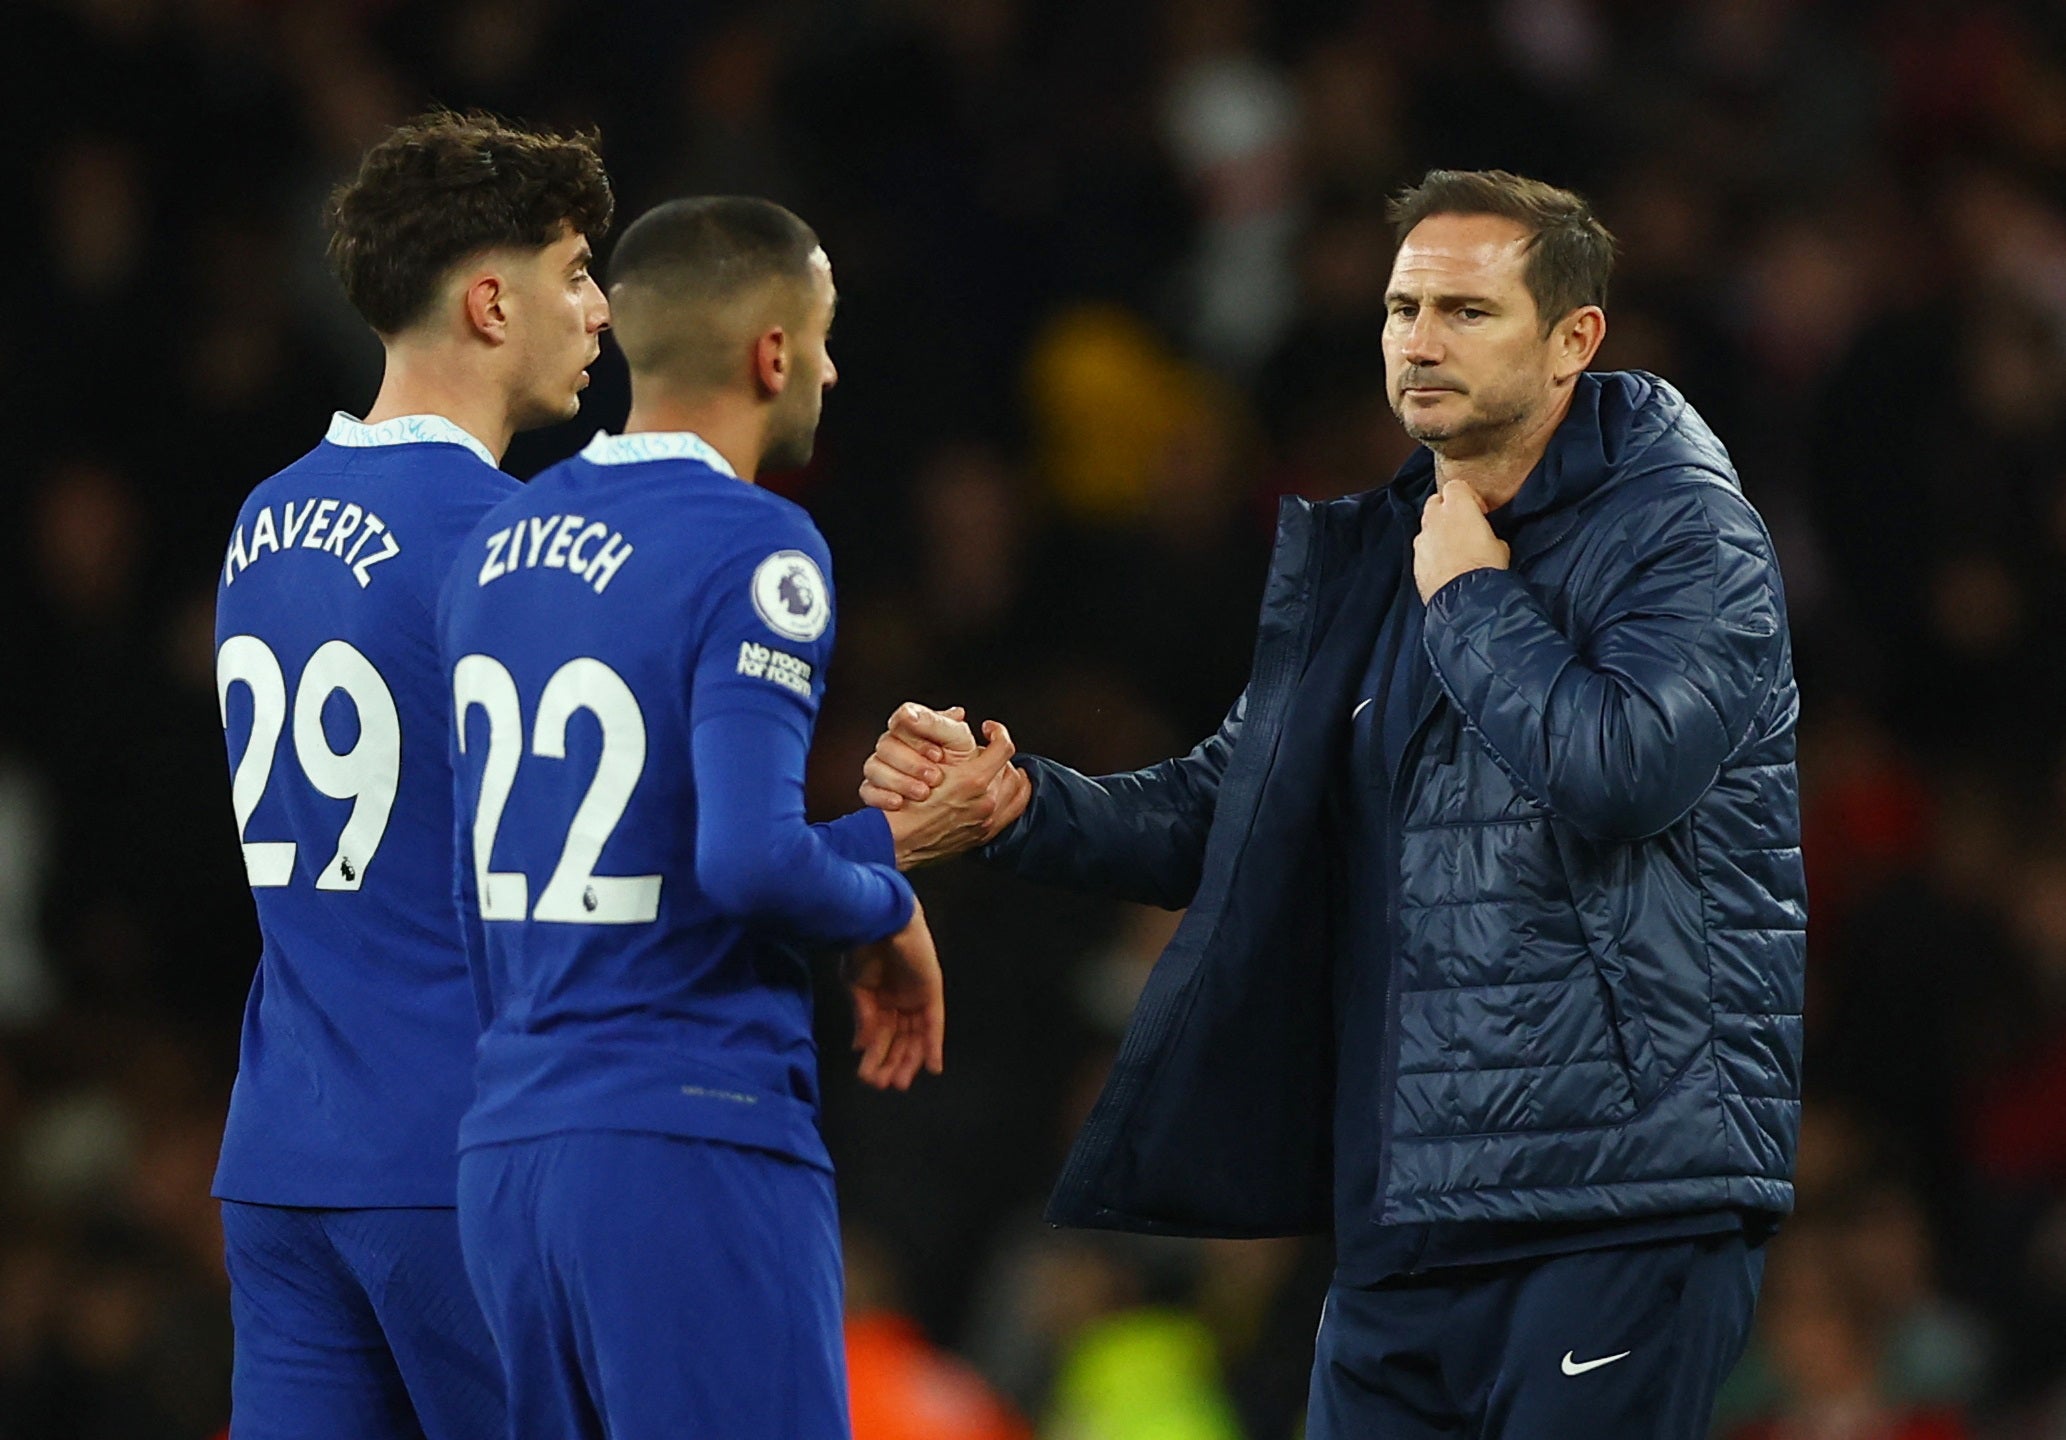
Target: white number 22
x=574, y=894
x=367, y=774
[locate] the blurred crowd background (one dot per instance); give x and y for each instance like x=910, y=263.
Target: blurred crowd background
x=1112, y=277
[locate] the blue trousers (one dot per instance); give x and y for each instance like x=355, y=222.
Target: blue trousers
x=645, y=1287
x=356, y=1325
x=1630, y=1343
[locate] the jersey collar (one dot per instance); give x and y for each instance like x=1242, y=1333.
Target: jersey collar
x=403, y=430
x=655, y=445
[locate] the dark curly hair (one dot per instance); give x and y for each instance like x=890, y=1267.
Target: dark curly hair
x=449, y=185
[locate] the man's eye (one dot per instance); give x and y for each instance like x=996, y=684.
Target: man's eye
x=1471, y=312
x=1403, y=312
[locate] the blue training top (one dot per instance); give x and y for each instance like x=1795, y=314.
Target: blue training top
x=637, y=648
x=358, y=1036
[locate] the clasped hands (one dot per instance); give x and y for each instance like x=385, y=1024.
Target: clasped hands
x=942, y=792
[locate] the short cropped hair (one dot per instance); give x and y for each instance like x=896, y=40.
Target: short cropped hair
x=681, y=270
x=1570, y=253
x=450, y=185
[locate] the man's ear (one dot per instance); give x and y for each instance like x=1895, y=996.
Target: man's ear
x=487, y=308
x=771, y=362
x=1577, y=340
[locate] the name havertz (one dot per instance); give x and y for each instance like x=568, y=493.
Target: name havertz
x=356, y=536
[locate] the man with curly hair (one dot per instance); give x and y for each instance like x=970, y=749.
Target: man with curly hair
x=465, y=243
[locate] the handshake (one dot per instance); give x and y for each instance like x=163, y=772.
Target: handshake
x=941, y=792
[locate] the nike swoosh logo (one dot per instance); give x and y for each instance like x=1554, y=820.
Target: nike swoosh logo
x=1361, y=708
x=1579, y=1367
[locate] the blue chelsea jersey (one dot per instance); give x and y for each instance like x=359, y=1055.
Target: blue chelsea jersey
x=637, y=646
x=358, y=1041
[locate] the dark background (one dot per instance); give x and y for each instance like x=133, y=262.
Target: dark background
x=1111, y=278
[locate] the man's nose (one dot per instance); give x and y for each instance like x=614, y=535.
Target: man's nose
x=831, y=373
x=1423, y=343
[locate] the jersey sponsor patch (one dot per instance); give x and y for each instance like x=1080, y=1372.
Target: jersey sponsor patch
x=758, y=662
x=789, y=595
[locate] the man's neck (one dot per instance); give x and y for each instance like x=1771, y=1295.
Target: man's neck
x=1496, y=476
x=725, y=425
x=420, y=383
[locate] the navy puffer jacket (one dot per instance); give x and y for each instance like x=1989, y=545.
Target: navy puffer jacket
x=1596, y=877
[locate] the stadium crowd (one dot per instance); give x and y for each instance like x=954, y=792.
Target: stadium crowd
x=1112, y=277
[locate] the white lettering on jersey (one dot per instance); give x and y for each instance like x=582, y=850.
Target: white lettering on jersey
x=295, y=525
x=390, y=547
x=576, y=561
x=540, y=524
x=759, y=662
x=308, y=527
x=325, y=509
x=608, y=560
x=347, y=524
x=237, y=559
x=558, y=542
x=562, y=536
x=263, y=534
x=492, y=568
x=374, y=526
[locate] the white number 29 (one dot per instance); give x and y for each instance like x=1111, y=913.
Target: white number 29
x=367, y=774
x=574, y=894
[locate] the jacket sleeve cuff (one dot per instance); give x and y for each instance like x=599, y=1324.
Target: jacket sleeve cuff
x=1471, y=593
x=1491, y=644
x=1459, y=618
x=1012, y=841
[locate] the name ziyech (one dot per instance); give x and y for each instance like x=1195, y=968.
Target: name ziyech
x=587, y=548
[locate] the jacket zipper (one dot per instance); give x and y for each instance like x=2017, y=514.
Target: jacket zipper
x=1388, y=1071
